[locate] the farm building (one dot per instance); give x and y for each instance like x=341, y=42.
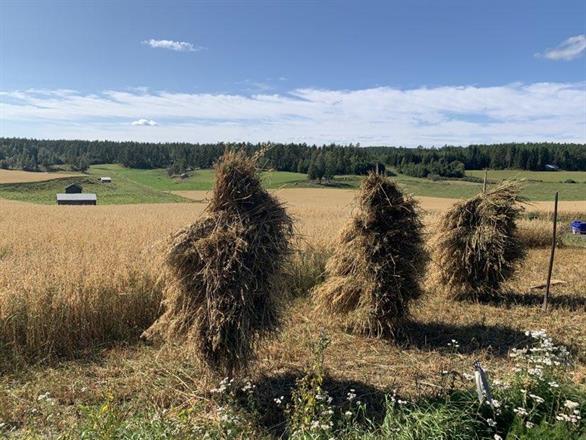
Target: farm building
x=106, y=179
x=77, y=199
x=74, y=188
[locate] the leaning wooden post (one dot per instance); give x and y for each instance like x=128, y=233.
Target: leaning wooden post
x=553, y=243
x=485, y=179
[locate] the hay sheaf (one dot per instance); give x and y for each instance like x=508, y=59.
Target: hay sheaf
x=224, y=268
x=477, y=245
x=379, y=261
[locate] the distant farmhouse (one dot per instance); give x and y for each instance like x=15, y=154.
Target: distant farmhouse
x=106, y=179
x=74, y=196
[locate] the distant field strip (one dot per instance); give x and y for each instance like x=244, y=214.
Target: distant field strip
x=19, y=176
x=329, y=198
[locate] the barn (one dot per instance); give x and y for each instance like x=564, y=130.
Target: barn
x=77, y=199
x=74, y=188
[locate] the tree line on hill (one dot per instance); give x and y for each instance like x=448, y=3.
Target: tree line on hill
x=316, y=161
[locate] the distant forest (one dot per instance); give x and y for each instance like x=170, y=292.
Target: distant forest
x=316, y=161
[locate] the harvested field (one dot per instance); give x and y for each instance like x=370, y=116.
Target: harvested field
x=19, y=176
x=81, y=283
x=331, y=198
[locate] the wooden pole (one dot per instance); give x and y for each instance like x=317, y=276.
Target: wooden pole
x=553, y=243
x=485, y=179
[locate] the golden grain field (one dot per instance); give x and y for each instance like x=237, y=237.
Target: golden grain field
x=76, y=279
x=73, y=277
x=19, y=176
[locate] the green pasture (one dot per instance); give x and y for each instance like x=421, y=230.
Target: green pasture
x=155, y=186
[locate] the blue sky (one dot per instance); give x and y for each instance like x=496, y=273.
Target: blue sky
x=400, y=73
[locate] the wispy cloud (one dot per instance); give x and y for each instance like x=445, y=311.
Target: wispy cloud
x=382, y=115
x=144, y=122
x=179, y=46
x=568, y=50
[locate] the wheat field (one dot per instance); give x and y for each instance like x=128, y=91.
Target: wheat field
x=74, y=277
x=19, y=176
x=79, y=284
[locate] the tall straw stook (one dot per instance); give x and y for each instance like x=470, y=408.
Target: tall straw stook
x=377, y=266
x=224, y=268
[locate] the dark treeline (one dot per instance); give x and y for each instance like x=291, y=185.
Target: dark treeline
x=530, y=156
x=317, y=162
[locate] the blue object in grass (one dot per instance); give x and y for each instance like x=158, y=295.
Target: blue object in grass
x=578, y=227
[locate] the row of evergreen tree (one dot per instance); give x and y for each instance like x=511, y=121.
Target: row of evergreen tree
x=321, y=162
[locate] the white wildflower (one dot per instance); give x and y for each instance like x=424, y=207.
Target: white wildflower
x=537, y=398
x=571, y=405
x=520, y=411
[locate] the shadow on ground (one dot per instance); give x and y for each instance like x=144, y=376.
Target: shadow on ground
x=572, y=302
x=272, y=415
x=498, y=340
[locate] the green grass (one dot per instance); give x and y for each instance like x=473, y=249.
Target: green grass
x=542, y=176
x=120, y=191
x=156, y=179
x=154, y=186
x=203, y=180
x=197, y=181
x=532, y=189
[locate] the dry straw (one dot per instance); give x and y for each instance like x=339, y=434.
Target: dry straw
x=225, y=266
x=378, y=264
x=477, y=246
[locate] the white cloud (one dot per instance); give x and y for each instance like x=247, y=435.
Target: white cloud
x=382, y=115
x=179, y=46
x=145, y=122
x=568, y=50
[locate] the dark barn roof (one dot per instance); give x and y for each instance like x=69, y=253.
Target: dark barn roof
x=74, y=188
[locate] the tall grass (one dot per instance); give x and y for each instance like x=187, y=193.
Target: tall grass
x=72, y=279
